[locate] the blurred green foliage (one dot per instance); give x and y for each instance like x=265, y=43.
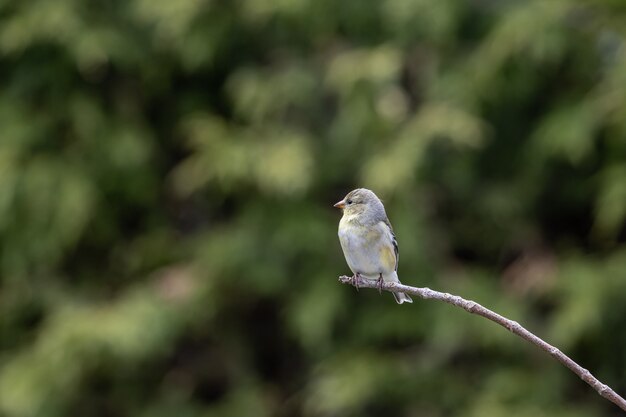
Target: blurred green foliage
x=167, y=238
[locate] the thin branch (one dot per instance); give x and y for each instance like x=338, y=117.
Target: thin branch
x=514, y=327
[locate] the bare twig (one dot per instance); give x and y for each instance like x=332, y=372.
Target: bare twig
x=514, y=327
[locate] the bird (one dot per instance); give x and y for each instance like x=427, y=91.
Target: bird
x=367, y=240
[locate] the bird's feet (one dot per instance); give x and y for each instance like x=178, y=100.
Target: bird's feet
x=380, y=284
x=355, y=280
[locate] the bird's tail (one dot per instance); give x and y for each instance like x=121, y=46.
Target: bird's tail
x=399, y=296
x=402, y=298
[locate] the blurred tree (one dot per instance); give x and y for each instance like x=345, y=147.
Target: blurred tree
x=167, y=169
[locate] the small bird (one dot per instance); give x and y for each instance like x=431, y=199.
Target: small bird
x=367, y=239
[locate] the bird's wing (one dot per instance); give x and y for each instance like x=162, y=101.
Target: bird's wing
x=393, y=241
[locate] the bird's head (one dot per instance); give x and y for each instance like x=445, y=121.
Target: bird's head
x=360, y=201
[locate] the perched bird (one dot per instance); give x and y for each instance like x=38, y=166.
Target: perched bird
x=367, y=239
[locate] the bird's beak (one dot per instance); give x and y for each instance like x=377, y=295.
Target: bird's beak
x=341, y=204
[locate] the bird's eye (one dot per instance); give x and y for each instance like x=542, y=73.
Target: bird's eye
x=349, y=201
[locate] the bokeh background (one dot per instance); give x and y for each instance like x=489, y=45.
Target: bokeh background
x=167, y=173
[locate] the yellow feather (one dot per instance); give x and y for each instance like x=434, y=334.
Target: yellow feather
x=388, y=257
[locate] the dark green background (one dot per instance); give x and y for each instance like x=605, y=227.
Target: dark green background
x=167, y=172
